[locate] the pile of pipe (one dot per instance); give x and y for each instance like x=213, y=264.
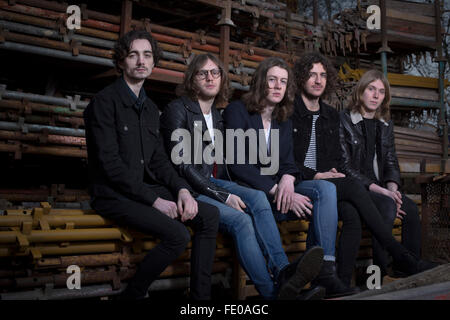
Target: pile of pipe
x=38, y=246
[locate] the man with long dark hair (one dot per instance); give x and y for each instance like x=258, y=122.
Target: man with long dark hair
x=131, y=179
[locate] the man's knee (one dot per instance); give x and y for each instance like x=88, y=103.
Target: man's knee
x=325, y=188
x=209, y=216
x=349, y=215
x=179, y=237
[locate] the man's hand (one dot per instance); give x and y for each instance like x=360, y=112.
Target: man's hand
x=284, y=193
x=394, y=195
x=187, y=206
x=169, y=208
x=301, y=205
x=333, y=173
x=235, y=202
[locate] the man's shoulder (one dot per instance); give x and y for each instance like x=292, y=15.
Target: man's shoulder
x=329, y=109
x=236, y=105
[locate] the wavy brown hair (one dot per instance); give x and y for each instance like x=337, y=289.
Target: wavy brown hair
x=356, y=105
x=189, y=87
x=304, y=65
x=255, y=98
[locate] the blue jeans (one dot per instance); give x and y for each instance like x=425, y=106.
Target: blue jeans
x=324, y=217
x=255, y=235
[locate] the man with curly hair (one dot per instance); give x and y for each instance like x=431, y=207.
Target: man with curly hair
x=317, y=150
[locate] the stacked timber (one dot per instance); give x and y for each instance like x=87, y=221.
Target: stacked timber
x=408, y=24
x=419, y=151
x=37, y=246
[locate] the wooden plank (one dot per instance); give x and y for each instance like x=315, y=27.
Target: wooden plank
x=408, y=39
x=392, y=13
x=425, y=9
x=417, y=133
x=401, y=144
x=420, y=139
x=415, y=155
x=415, y=93
x=406, y=26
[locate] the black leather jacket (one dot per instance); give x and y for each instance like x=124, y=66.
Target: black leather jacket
x=183, y=113
x=353, y=146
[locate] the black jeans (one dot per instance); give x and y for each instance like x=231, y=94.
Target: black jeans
x=174, y=238
x=411, y=229
x=353, y=198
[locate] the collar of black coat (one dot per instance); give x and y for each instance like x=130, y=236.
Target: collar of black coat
x=357, y=117
x=302, y=111
x=194, y=107
x=127, y=96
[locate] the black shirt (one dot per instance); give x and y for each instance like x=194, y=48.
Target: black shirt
x=370, y=134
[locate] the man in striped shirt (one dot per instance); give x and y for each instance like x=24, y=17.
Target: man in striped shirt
x=317, y=152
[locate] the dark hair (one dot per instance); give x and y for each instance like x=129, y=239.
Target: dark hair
x=254, y=99
x=304, y=65
x=356, y=105
x=122, y=47
x=189, y=87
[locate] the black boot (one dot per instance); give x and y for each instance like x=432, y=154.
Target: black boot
x=409, y=264
x=313, y=293
x=296, y=275
x=328, y=279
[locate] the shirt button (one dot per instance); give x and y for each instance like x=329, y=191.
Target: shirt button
x=295, y=129
x=142, y=161
x=125, y=128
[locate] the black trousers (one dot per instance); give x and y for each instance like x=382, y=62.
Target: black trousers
x=356, y=204
x=174, y=238
x=411, y=229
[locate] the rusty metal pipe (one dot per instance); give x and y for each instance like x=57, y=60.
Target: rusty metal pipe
x=22, y=106
x=8, y=94
x=56, y=221
x=52, y=211
x=53, y=151
x=51, y=14
x=53, y=250
x=42, y=120
x=62, y=8
x=41, y=137
x=56, y=53
x=40, y=197
x=58, y=45
x=49, y=33
x=90, y=260
x=13, y=126
x=45, y=236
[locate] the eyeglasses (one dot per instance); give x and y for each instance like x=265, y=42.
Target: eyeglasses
x=203, y=74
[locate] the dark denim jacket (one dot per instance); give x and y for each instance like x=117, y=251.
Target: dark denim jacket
x=328, y=150
x=125, y=150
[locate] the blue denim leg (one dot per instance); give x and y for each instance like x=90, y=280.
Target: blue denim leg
x=324, y=218
x=264, y=223
x=239, y=225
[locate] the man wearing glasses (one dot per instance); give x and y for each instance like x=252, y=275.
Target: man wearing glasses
x=131, y=179
x=245, y=214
